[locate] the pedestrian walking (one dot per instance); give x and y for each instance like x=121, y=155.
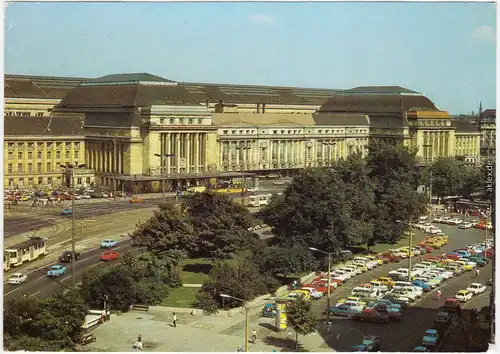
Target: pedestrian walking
x=240, y=349
x=438, y=294
x=175, y=320
x=254, y=336
x=477, y=273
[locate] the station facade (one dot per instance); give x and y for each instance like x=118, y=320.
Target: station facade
x=137, y=130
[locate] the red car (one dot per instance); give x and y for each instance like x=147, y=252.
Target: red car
x=109, y=256
x=390, y=257
x=321, y=287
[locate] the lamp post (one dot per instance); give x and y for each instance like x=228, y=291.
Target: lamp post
x=428, y=161
x=163, y=157
x=329, y=278
x=410, y=241
x=243, y=147
x=246, y=316
x=72, y=168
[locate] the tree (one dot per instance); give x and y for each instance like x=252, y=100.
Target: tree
x=395, y=178
x=124, y=286
x=447, y=177
x=312, y=212
x=53, y=324
x=220, y=226
x=470, y=181
x=283, y=261
x=300, y=318
x=168, y=229
x=242, y=280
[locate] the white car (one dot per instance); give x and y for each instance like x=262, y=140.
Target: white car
x=445, y=219
x=446, y=274
x=342, y=277
x=353, y=269
x=422, y=218
x=17, y=278
x=463, y=295
x=437, y=219
x=253, y=189
x=344, y=272
x=404, y=292
x=418, y=291
x=476, y=288
x=465, y=225
x=455, y=221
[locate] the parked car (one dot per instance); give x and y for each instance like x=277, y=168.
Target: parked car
x=463, y=295
x=430, y=338
x=371, y=315
x=17, y=278
x=108, y=256
x=108, y=243
x=135, y=200
x=443, y=317
x=476, y=288
x=370, y=344
x=345, y=310
x=397, y=299
x=56, y=271
x=465, y=225
x=393, y=311
x=421, y=284
x=67, y=256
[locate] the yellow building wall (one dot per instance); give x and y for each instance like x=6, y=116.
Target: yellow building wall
x=211, y=150
x=152, y=145
x=40, y=160
x=132, y=159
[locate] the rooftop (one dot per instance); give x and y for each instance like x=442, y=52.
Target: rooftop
x=463, y=126
x=42, y=126
x=127, y=79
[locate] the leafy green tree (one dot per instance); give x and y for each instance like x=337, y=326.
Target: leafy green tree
x=168, y=229
x=300, y=318
x=242, y=280
x=283, y=261
x=447, y=177
x=220, y=226
x=470, y=181
x=393, y=172
x=312, y=212
x=207, y=303
x=52, y=324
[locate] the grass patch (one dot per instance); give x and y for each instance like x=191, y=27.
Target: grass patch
x=181, y=297
x=195, y=271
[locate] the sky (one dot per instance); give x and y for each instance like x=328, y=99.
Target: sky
x=446, y=51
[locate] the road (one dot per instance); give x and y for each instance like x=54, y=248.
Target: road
x=29, y=218
x=417, y=318
x=41, y=286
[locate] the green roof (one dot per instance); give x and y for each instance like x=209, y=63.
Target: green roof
x=128, y=79
x=380, y=90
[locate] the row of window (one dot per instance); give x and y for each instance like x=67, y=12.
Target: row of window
x=181, y=121
x=41, y=145
x=39, y=155
x=20, y=182
x=21, y=168
x=292, y=131
x=23, y=114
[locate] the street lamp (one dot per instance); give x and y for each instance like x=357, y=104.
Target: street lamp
x=243, y=147
x=409, y=246
x=246, y=316
x=427, y=160
x=163, y=157
x=72, y=168
x=329, y=279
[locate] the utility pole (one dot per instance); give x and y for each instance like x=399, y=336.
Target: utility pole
x=243, y=147
x=72, y=168
x=429, y=165
x=163, y=158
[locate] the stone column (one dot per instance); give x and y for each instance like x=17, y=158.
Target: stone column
x=188, y=153
x=197, y=152
x=205, y=155
x=168, y=150
x=177, y=139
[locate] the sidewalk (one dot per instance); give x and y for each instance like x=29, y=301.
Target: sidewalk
x=195, y=333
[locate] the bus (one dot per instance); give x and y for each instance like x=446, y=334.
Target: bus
x=259, y=200
x=23, y=252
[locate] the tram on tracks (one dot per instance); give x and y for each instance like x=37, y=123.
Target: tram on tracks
x=24, y=252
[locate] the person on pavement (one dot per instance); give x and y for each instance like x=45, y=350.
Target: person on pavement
x=254, y=336
x=438, y=294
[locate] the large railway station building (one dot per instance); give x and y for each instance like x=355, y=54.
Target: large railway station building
x=206, y=133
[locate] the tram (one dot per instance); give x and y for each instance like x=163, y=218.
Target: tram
x=24, y=252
